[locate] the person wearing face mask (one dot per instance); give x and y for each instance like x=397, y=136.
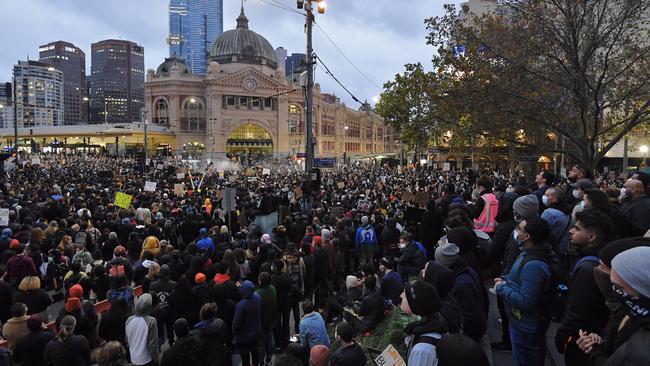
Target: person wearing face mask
x=526, y=290
x=578, y=192
x=544, y=180
x=585, y=309
x=627, y=343
x=557, y=218
x=412, y=257
x=636, y=206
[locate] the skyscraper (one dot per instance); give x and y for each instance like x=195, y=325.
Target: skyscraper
x=116, y=81
x=39, y=94
x=6, y=107
x=70, y=60
x=194, y=25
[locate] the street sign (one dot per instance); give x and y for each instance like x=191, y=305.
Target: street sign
x=228, y=199
x=325, y=162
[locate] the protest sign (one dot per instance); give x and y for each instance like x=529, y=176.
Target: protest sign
x=122, y=200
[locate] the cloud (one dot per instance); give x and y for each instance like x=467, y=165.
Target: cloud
x=379, y=36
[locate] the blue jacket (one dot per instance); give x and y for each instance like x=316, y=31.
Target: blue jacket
x=205, y=243
x=313, y=331
x=369, y=238
x=523, y=293
x=559, y=223
x=247, y=324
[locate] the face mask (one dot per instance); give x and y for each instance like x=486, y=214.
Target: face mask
x=605, y=287
x=582, y=204
x=545, y=200
x=515, y=236
x=518, y=218
x=402, y=245
x=623, y=193
x=576, y=193
x=636, y=306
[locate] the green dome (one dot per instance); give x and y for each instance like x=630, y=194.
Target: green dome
x=244, y=45
x=166, y=67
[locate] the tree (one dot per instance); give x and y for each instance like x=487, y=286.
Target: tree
x=406, y=105
x=576, y=69
x=573, y=69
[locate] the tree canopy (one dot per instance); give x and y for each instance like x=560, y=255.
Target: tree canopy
x=572, y=69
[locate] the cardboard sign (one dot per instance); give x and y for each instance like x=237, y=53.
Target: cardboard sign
x=159, y=166
x=390, y=357
x=341, y=185
x=150, y=186
x=123, y=200
x=180, y=175
x=446, y=167
x=179, y=189
x=4, y=217
x=36, y=161
x=330, y=181
x=266, y=171
x=407, y=196
x=421, y=198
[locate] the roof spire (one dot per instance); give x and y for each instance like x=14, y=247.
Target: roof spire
x=242, y=21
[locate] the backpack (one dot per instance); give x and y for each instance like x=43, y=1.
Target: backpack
x=421, y=248
x=82, y=237
x=295, y=274
x=367, y=233
x=556, y=293
x=116, y=270
x=122, y=294
x=589, y=258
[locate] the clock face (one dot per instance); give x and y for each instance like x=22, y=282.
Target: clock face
x=250, y=84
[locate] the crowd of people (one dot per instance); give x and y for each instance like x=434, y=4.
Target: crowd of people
x=189, y=278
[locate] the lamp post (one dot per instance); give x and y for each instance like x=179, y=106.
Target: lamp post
x=644, y=150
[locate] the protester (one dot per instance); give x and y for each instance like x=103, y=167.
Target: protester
x=67, y=348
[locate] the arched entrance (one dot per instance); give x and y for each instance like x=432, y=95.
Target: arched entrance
x=544, y=163
x=249, y=138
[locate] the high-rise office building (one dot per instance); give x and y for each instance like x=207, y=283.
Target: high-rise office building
x=116, y=81
x=6, y=107
x=39, y=94
x=294, y=65
x=194, y=25
x=70, y=60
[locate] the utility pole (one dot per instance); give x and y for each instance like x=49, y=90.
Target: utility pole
x=310, y=63
x=146, y=153
x=15, y=118
x=309, y=140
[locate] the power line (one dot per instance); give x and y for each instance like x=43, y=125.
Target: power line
x=345, y=56
x=281, y=6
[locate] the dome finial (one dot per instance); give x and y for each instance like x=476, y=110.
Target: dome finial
x=242, y=21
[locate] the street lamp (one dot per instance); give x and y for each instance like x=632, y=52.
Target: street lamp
x=644, y=150
x=87, y=100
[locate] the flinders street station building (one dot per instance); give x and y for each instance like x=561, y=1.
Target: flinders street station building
x=246, y=104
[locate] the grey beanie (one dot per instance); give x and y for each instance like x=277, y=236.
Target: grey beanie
x=631, y=265
x=526, y=206
x=447, y=254
x=364, y=220
x=326, y=234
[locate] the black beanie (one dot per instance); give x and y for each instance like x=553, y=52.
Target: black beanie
x=422, y=298
x=181, y=327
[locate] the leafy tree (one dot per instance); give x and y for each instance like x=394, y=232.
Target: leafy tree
x=576, y=69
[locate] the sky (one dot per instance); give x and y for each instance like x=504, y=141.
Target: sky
x=378, y=36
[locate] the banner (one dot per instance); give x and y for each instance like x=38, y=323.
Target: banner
x=179, y=189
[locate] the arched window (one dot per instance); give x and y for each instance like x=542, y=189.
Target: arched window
x=161, y=112
x=193, y=115
x=296, y=125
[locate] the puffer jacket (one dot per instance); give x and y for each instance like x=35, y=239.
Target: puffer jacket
x=209, y=342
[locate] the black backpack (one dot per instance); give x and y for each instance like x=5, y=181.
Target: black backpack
x=295, y=274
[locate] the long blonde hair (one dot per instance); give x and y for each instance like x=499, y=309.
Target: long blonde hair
x=30, y=283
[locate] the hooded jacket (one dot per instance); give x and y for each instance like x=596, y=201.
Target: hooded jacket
x=247, y=324
x=443, y=280
x=209, y=337
x=142, y=332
